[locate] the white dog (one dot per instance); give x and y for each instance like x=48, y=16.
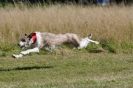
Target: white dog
x=37, y=40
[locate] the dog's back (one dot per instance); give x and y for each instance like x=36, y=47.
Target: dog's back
x=58, y=39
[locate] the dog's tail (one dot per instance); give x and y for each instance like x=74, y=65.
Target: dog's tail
x=90, y=36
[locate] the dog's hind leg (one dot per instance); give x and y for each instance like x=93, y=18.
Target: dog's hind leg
x=75, y=43
x=50, y=48
x=85, y=42
x=75, y=40
x=96, y=42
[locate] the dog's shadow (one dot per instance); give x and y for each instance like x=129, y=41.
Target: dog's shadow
x=25, y=68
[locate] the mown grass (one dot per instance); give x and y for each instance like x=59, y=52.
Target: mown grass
x=70, y=70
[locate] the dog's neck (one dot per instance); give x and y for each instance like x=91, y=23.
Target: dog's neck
x=33, y=37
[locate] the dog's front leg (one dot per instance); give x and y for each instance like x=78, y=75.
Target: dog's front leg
x=26, y=52
x=34, y=50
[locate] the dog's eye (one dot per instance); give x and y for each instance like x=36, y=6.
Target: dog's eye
x=23, y=40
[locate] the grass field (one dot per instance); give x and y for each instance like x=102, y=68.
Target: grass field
x=68, y=68
x=71, y=70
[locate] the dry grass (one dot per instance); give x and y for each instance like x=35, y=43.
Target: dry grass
x=104, y=22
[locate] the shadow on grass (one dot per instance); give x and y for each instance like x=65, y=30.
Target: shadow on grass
x=26, y=68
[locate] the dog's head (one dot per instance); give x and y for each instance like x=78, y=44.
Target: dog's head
x=26, y=41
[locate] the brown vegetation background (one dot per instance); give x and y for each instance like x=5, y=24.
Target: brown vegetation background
x=115, y=23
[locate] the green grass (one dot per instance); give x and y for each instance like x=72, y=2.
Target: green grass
x=67, y=69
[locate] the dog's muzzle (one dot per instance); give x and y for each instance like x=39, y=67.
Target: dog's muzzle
x=22, y=45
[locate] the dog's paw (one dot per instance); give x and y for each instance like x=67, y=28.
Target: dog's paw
x=17, y=56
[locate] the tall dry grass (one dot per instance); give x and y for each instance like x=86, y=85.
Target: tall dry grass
x=114, y=23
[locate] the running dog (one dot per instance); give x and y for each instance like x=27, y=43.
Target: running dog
x=37, y=40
